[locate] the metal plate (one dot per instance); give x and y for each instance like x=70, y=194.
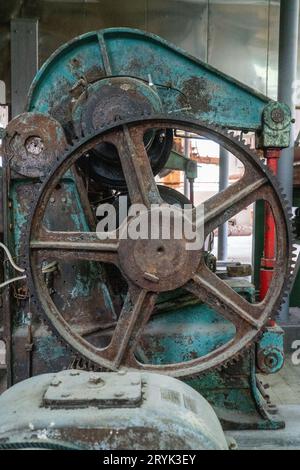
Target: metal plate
x=103, y=390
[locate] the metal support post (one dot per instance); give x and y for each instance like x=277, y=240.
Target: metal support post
x=288, y=48
x=223, y=184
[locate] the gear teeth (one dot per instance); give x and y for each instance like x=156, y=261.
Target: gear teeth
x=294, y=231
x=89, y=133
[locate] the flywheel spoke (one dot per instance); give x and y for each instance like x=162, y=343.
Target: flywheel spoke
x=135, y=314
x=210, y=289
x=79, y=245
x=136, y=167
x=224, y=205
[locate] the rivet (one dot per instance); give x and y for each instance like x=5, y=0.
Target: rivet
x=118, y=394
x=95, y=380
x=135, y=382
x=55, y=383
x=52, y=199
x=277, y=115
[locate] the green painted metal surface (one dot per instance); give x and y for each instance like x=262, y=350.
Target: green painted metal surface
x=270, y=350
x=81, y=282
x=176, y=161
x=184, y=84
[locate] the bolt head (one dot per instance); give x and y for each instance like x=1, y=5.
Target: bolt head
x=95, y=380
x=55, y=383
x=135, y=382
x=277, y=115
x=34, y=145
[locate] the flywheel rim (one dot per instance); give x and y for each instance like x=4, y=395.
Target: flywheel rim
x=220, y=356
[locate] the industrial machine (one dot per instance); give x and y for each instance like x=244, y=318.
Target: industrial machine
x=79, y=410
x=99, y=124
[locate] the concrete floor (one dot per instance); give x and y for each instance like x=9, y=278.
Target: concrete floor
x=284, y=439
x=284, y=391
x=284, y=386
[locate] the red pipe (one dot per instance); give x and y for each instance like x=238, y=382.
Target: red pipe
x=268, y=261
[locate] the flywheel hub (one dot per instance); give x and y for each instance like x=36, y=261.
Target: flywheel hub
x=160, y=260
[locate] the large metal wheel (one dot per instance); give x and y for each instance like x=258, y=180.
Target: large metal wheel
x=173, y=265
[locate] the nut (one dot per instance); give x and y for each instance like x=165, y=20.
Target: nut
x=55, y=383
x=96, y=380
x=277, y=115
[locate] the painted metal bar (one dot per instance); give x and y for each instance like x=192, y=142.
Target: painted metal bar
x=288, y=48
x=223, y=184
x=187, y=155
x=268, y=261
x=24, y=60
x=184, y=83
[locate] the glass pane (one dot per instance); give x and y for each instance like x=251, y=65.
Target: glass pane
x=183, y=22
x=238, y=40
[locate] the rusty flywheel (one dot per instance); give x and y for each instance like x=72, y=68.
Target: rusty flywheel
x=172, y=264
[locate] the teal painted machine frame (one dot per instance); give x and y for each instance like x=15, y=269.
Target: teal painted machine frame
x=185, y=86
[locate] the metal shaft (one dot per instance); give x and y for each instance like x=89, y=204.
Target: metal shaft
x=186, y=190
x=24, y=60
x=269, y=257
x=223, y=184
x=288, y=45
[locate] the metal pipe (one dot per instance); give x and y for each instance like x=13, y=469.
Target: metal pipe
x=24, y=60
x=192, y=193
x=223, y=184
x=287, y=73
x=269, y=255
x=186, y=154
